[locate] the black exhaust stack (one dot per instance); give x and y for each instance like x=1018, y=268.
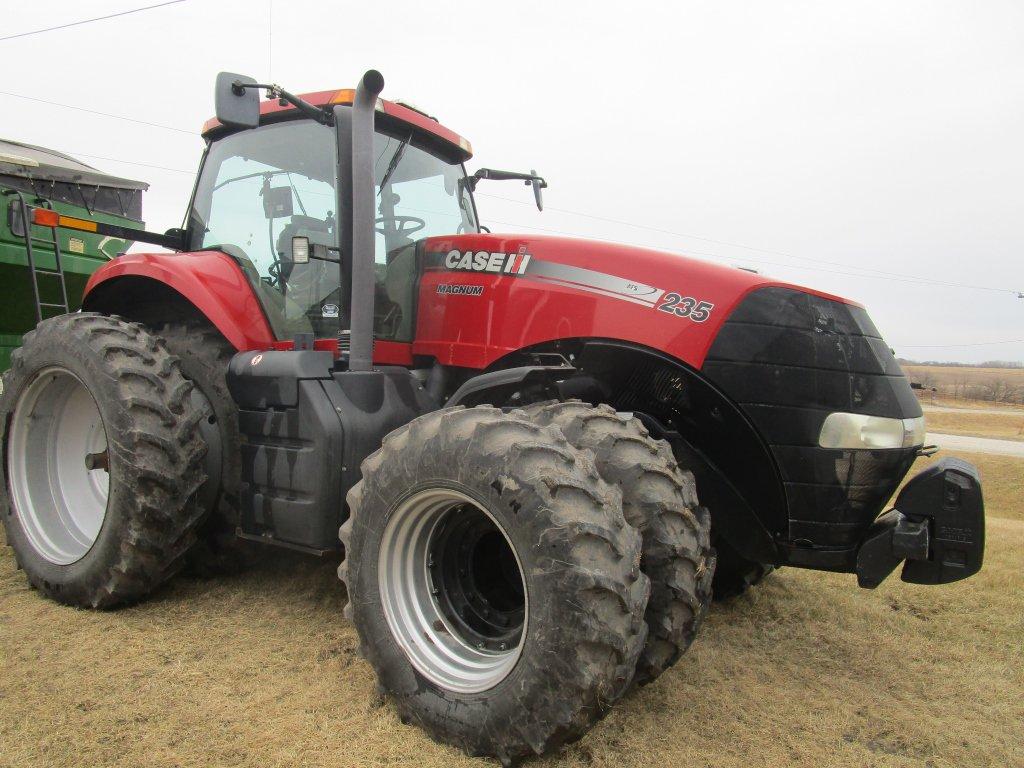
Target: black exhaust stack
x=358, y=231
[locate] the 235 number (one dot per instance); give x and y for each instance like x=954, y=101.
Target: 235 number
x=684, y=306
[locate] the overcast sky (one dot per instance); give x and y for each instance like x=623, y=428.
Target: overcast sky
x=834, y=140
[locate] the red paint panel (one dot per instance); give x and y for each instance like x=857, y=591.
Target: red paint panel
x=392, y=353
x=211, y=280
x=514, y=312
x=215, y=284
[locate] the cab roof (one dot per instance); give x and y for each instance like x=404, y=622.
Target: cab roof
x=395, y=113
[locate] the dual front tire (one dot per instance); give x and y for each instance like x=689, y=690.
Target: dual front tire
x=494, y=581
x=499, y=587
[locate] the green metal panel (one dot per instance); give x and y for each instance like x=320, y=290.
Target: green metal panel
x=82, y=253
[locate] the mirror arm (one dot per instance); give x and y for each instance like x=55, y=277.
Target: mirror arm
x=496, y=175
x=530, y=179
x=319, y=114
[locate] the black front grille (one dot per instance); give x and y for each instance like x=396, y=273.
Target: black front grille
x=789, y=359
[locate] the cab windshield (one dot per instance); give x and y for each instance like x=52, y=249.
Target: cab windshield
x=260, y=188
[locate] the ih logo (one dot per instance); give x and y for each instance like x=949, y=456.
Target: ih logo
x=486, y=261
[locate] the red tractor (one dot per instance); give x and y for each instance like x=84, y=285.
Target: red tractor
x=509, y=430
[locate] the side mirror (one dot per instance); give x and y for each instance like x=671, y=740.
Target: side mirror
x=237, y=106
x=538, y=184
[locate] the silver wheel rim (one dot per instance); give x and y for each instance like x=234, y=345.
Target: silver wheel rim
x=438, y=643
x=55, y=431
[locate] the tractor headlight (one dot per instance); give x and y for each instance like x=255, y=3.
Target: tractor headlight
x=856, y=430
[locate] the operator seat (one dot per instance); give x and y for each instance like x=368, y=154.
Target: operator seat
x=314, y=284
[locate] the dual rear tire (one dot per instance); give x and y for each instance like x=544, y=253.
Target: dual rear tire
x=102, y=460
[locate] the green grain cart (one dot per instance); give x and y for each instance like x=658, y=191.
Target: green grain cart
x=41, y=277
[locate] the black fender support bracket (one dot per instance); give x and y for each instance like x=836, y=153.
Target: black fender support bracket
x=502, y=386
x=937, y=529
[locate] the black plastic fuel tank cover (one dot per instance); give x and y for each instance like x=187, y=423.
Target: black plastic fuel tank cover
x=271, y=379
x=305, y=430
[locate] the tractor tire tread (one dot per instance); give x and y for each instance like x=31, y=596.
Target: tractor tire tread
x=205, y=355
x=659, y=499
x=159, y=451
x=573, y=514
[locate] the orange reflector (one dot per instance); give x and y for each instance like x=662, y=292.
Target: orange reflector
x=344, y=96
x=44, y=217
x=81, y=224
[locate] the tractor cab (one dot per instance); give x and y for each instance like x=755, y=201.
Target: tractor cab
x=268, y=197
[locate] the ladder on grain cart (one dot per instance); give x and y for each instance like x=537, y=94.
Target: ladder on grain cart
x=22, y=211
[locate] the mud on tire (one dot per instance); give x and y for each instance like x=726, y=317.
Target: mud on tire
x=578, y=561
x=204, y=355
x=153, y=454
x=659, y=499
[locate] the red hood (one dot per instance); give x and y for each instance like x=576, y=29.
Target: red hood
x=569, y=288
x=650, y=266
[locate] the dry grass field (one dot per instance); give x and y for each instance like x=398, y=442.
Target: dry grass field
x=1002, y=478
x=1008, y=426
x=967, y=404
x=261, y=670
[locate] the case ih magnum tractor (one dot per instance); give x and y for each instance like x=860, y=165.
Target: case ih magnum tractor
x=510, y=430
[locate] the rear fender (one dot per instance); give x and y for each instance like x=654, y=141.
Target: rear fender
x=210, y=283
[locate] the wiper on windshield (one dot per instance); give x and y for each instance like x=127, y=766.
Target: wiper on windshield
x=395, y=160
x=257, y=174
x=297, y=195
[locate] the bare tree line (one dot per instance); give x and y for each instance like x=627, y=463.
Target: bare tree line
x=992, y=387
x=1015, y=364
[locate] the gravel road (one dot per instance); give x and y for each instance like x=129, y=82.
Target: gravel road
x=977, y=444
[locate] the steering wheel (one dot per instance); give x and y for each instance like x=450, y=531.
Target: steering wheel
x=399, y=223
x=274, y=272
